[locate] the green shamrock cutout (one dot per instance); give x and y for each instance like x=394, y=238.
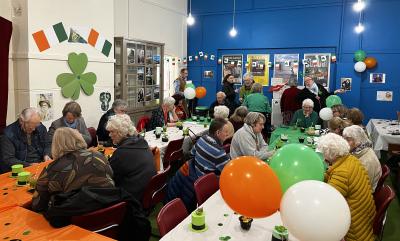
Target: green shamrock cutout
x=71, y=83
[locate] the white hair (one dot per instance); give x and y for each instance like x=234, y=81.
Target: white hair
x=221, y=93
x=252, y=118
x=169, y=101
x=27, y=113
x=123, y=124
x=221, y=111
x=308, y=102
x=248, y=75
x=333, y=146
x=356, y=133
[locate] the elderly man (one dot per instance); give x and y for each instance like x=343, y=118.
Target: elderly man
x=118, y=107
x=305, y=117
x=221, y=100
x=25, y=141
x=245, y=90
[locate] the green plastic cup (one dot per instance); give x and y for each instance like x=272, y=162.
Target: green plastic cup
x=23, y=178
x=15, y=169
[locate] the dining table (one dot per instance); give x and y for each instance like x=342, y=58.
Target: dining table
x=382, y=133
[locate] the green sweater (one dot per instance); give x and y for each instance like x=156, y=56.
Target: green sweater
x=257, y=102
x=302, y=121
x=243, y=92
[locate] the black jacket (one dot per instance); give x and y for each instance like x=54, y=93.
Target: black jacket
x=307, y=94
x=227, y=103
x=101, y=131
x=133, y=165
x=63, y=206
x=230, y=93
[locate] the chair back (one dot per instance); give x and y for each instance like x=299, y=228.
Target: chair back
x=382, y=199
x=105, y=221
x=385, y=174
x=171, y=215
x=227, y=148
x=92, y=132
x=155, y=190
x=205, y=187
x=143, y=121
x=173, y=152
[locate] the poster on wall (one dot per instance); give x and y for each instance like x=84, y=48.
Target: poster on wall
x=286, y=66
x=384, y=95
x=208, y=74
x=257, y=64
x=317, y=66
x=105, y=98
x=377, y=78
x=232, y=64
x=44, y=104
x=345, y=84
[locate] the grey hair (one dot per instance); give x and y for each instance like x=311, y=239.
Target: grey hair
x=122, y=124
x=118, y=103
x=333, y=146
x=356, y=133
x=221, y=111
x=253, y=118
x=27, y=113
x=256, y=88
x=292, y=81
x=169, y=101
x=248, y=75
x=221, y=93
x=308, y=102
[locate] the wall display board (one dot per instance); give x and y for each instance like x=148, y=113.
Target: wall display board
x=317, y=66
x=232, y=64
x=286, y=66
x=257, y=64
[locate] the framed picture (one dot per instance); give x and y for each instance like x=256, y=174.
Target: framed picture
x=345, y=83
x=286, y=66
x=377, y=78
x=45, y=106
x=232, y=64
x=208, y=74
x=384, y=95
x=258, y=66
x=317, y=67
x=130, y=55
x=140, y=95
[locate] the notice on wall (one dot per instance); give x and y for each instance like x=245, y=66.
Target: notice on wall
x=286, y=66
x=317, y=66
x=345, y=84
x=232, y=64
x=384, y=95
x=377, y=78
x=257, y=64
x=45, y=104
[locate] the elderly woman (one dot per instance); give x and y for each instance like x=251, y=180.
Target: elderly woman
x=245, y=90
x=248, y=140
x=222, y=112
x=73, y=167
x=228, y=88
x=305, y=117
x=72, y=118
x=288, y=103
x=118, y=107
x=339, y=111
x=165, y=115
x=132, y=161
x=355, y=116
x=360, y=147
x=180, y=108
x=349, y=177
x=237, y=119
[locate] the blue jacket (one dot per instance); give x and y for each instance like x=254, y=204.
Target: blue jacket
x=15, y=147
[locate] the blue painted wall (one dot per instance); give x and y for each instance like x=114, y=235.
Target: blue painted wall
x=307, y=26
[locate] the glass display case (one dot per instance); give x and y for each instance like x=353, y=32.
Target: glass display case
x=138, y=73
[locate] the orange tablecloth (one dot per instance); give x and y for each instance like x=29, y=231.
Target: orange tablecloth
x=20, y=223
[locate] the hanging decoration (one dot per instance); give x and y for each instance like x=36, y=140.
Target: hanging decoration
x=370, y=62
x=190, y=58
x=219, y=61
x=212, y=57
x=196, y=57
x=205, y=57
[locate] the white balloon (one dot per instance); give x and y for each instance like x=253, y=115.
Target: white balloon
x=315, y=211
x=360, y=66
x=189, y=93
x=326, y=113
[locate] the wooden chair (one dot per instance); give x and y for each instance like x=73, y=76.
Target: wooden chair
x=385, y=174
x=205, y=187
x=171, y=215
x=383, y=197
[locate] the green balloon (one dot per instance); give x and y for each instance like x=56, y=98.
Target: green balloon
x=190, y=85
x=333, y=100
x=294, y=163
x=359, y=55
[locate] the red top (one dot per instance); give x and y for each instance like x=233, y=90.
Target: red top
x=288, y=99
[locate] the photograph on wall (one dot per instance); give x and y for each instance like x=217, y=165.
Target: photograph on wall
x=384, y=95
x=148, y=95
x=317, y=66
x=232, y=64
x=45, y=104
x=140, y=56
x=130, y=52
x=257, y=64
x=156, y=92
x=345, y=84
x=286, y=66
x=208, y=74
x=140, y=95
x=377, y=78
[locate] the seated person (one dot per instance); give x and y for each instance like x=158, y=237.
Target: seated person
x=305, y=117
x=73, y=167
x=25, y=141
x=180, y=107
x=248, y=140
x=132, y=161
x=221, y=100
x=237, y=119
x=118, y=107
x=72, y=118
x=209, y=156
x=355, y=116
x=349, y=177
x=165, y=115
x=360, y=147
x=339, y=111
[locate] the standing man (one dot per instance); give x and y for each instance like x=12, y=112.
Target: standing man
x=180, y=82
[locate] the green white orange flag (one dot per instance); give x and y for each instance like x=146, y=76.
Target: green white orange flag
x=94, y=39
x=50, y=37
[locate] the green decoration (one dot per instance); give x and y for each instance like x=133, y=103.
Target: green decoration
x=359, y=55
x=333, y=100
x=71, y=83
x=294, y=163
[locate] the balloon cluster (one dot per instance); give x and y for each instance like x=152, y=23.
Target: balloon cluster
x=326, y=113
x=191, y=91
x=363, y=62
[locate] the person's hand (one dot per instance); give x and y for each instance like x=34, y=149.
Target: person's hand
x=339, y=91
x=241, y=100
x=46, y=158
x=317, y=97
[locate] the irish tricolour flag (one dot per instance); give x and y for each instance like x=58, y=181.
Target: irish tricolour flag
x=50, y=37
x=95, y=39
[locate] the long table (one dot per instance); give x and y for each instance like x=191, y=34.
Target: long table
x=292, y=134
x=223, y=222
x=380, y=131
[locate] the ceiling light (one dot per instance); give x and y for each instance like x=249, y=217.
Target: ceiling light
x=359, y=28
x=233, y=32
x=190, y=19
x=359, y=6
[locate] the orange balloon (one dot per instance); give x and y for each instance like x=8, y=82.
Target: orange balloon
x=201, y=92
x=250, y=187
x=370, y=62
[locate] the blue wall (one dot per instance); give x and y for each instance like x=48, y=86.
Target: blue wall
x=307, y=26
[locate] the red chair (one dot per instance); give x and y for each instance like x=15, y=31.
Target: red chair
x=382, y=199
x=205, y=187
x=171, y=215
x=227, y=148
x=105, y=221
x=92, y=132
x=385, y=174
x=155, y=191
x=173, y=152
x=143, y=121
